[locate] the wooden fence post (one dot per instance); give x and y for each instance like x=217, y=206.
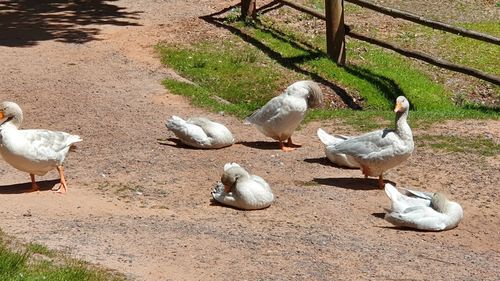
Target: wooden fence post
x=335, y=30
x=247, y=8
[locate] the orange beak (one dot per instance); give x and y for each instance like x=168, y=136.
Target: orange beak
x=1, y=115
x=398, y=107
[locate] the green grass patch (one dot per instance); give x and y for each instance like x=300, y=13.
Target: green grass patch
x=240, y=75
x=249, y=69
x=478, y=145
x=39, y=249
x=457, y=49
x=34, y=262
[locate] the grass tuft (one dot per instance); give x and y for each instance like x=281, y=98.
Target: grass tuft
x=18, y=263
x=478, y=145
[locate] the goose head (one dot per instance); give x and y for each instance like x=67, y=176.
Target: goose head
x=439, y=202
x=402, y=105
x=315, y=97
x=11, y=113
x=231, y=177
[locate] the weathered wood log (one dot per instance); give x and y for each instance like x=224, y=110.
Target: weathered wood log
x=430, y=23
x=335, y=30
x=429, y=59
x=304, y=9
x=247, y=8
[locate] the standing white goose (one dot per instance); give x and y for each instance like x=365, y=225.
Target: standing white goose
x=422, y=210
x=279, y=117
x=33, y=151
x=381, y=150
x=200, y=132
x=241, y=190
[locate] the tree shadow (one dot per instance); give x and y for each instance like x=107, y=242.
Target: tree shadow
x=265, y=145
x=26, y=187
x=350, y=183
x=387, y=86
x=26, y=22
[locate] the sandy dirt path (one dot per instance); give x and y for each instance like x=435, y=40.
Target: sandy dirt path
x=144, y=209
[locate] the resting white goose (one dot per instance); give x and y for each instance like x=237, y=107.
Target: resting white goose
x=340, y=159
x=241, y=190
x=33, y=151
x=200, y=132
x=279, y=117
x=422, y=210
x=381, y=150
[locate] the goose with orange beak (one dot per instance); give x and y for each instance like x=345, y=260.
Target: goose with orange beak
x=34, y=151
x=377, y=151
x=241, y=190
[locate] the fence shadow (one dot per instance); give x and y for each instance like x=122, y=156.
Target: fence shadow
x=26, y=22
x=389, y=87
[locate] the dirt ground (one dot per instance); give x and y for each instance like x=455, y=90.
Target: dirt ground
x=144, y=208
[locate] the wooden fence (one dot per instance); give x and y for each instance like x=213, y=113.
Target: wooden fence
x=336, y=31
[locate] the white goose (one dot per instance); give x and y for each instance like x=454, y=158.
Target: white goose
x=241, y=190
x=422, y=210
x=378, y=151
x=340, y=159
x=33, y=151
x=279, y=117
x=200, y=132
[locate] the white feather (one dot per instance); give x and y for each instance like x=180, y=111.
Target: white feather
x=200, y=132
x=420, y=212
x=250, y=192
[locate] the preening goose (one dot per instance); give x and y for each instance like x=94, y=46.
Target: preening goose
x=279, y=117
x=381, y=150
x=422, y=210
x=200, y=132
x=33, y=151
x=241, y=190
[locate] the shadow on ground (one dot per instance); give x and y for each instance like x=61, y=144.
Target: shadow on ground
x=351, y=183
x=24, y=23
x=326, y=162
x=19, y=188
x=266, y=145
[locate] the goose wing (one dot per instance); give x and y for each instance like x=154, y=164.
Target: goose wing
x=45, y=144
x=419, y=217
x=271, y=110
x=374, y=145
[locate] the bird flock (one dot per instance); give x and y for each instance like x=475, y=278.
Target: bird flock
x=38, y=151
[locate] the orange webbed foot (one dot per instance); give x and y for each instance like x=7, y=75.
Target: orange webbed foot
x=285, y=148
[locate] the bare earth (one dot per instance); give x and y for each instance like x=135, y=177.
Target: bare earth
x=144, y=209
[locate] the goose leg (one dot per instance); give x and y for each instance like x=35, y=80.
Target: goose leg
x=63, y=187
x=365, y=171
x=291, y=144
x=381, y=182
x=34, y=186
x=285, y=148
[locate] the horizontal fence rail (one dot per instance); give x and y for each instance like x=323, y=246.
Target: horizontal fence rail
x=346, y=30
x=423, y=21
